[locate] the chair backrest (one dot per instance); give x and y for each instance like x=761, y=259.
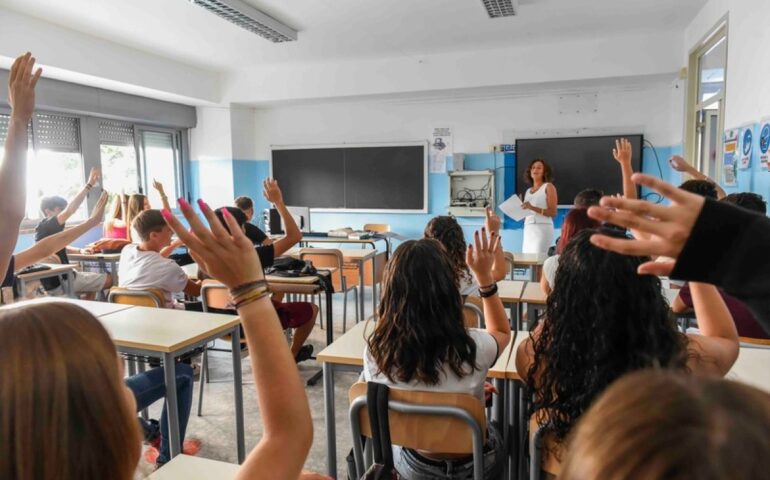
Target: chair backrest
x=377, y=227
x=214, y=294
x=473, y=312
x=150, y=297
x=325, y=258
x=436, y=432
x=509, y=262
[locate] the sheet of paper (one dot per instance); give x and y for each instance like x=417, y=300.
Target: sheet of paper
x=512, y=208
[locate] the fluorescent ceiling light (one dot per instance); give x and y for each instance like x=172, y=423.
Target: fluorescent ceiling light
x=501, y=8
x=249, y=18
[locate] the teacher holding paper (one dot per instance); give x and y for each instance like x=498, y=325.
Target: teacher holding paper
x=541, y=200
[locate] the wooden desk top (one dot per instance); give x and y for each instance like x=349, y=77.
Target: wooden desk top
x=163, y=329
x=93, y=257
x=97, y=309
x=528, y=259
x=312, y=239
x=532, y=293
x=752, y=368
x=359, y=255
x=510, y=290
x=56, y=269
x=195, y=468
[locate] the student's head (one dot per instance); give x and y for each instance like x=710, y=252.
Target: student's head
x=588, y=198
x=538, y=171
x=575, y=222
x=152, y=229
x=748, y=200
x=704, y=188
x=246, y=205
x=448, y=232
x=137, y=203
x=236, y=213
x=52, y=205
x=602, y=320
x=66, y=412
x=420, y=320
x=651, y=424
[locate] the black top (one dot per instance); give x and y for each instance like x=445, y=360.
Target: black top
x=728, y=248
x=266, y=255
x=254, y=233
x=46, y=228
x=9, y=278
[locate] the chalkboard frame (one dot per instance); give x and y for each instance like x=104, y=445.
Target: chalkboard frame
x=414, y=143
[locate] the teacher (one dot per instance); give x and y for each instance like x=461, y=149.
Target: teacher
x=541, y=199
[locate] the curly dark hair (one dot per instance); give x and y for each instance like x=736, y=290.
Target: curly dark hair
x=448, y=232
x=547, y=173
x=748, y=200
x=420, y=325
x=602, y=320
x=704, y=188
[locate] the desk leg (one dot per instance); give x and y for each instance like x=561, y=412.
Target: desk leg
x=329, y=317
x=169, y=371
x=238, y=391
x=362, y=310
x=71, y=285
x=114, y=273
x=374, y=287
x=331, y=432
x=21, y=285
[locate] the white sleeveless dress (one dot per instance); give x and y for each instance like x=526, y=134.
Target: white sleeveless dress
x=538, y=229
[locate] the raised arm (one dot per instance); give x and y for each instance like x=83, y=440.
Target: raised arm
x=21, y=96
x=480, y=257
x=622, y=153
x=718, y=341
x=500, y=267
x=77, y=200
x=52, y=244
x=293, y=235
x=283, y=406
x=680, y=165
x=163, y=198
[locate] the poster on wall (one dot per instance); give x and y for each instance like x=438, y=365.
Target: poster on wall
x=747, y=143
x=440, y=149
x=764, y=142
x=729, y=157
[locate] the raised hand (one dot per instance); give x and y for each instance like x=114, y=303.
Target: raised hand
x=492, y=222
x=21, y=87
x=228, y=257
x=480, y=256
x=679, y=164
x=158, y=186
x=94, y=176
x=98, y=213
x=666, y=227
x=272, y=192
x=622, y=151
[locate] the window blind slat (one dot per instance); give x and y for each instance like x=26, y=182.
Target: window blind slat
x=56, y=132
x=116, y=133
x=5, y=122
x=157, y=140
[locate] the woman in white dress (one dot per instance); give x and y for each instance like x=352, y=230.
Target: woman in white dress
x=541, y=199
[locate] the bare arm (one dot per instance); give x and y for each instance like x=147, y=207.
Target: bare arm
x=553, y=201
x=163, y=198
x=77, y=200
x=193, y=288
x=293, y=235
x=21, y=96
x=169, y=249
x=623, y=154
x=480, y=258
x=718, y=342
x=544, y=284
x=679, y=164
x=678, y=306
x=500, y=267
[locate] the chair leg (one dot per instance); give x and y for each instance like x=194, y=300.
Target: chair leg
x=357, y=299
x=205, y=366
x=204, y=373
x=141, y=366
x=344, y=310
x=320, y=312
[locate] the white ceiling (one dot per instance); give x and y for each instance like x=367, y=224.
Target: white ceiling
x=331, y=30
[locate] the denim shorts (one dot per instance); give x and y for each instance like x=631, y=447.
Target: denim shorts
x=413, y=466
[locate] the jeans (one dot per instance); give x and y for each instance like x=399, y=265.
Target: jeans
x=150, y=386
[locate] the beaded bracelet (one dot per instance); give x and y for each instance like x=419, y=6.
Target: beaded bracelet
x=241, y=289
x=251, y=297
x=486, y=292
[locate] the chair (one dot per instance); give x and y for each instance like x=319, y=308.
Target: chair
x=377, y=227
x=509, y=261
x=151, y=297
x=341, y=280
x=473, y=311
x=434, y=421
x=544, y=452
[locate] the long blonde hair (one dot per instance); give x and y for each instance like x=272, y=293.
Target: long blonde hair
x=135, y=207
x=64, y=414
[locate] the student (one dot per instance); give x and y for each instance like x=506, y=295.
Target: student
x=652, y=424
x=95, y=434
x=748, y=200
x=21, y=97
x=142, y=266
x=708, y=241
x=448, y=232
x=57, y=211
x=575, y=221
x=420, y=341
x=603, y=320
x=587, y=198
x=253, y=232
x=115, y=226
x=679, y=164
x=137, y=203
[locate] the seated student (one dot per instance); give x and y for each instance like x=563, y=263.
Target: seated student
x=603, y=320
x=96, y=435
x=679, y=164
x=650, y=424
x=575, y=221
x=57, y=211
x=587, y=198
x=137, y=203
x=115, y=224
x=420, y=342
x=253, y=232
x=448, y=232
x=142, y=266
x=748, y=200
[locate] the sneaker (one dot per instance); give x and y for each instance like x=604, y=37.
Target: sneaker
x=305, y=353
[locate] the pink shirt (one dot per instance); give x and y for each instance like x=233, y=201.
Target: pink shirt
x=116, y=232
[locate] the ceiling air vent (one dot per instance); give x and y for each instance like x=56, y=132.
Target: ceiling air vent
x=249, y=18
x=501, y=8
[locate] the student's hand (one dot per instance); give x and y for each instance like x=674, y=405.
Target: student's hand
x=227, y=257
x=94, y=176
x=492, y=222
x=308, y=475
x=678, y=163
x=480, y=256
x=86, y=251
x=668, y=227
x=97, y=215
x=526, y=206
x=622, y=151
x=176, y=243
x=489, y=390
x=272, y=192
x=21, y=87
x=159, y=187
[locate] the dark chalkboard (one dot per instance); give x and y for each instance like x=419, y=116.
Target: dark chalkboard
x=353, y=178
x=577, y=163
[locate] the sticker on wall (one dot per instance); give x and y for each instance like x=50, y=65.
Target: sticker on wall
x=764, y=143
x=747, y=143
x=729, y=163
x=440, y=149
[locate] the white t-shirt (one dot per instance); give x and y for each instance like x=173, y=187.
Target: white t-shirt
x=472, y=383
x=468, y=286
x=146, y=269
x=549, y=269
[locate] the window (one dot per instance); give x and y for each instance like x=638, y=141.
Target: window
x=705, y=103
x=161, y=162
x=120, y=172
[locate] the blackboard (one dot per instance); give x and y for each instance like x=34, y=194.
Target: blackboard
x=368, y=178
x=577, y=163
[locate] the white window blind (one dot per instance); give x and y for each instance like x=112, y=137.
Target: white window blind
x=158, y=140
x=5, y=121
x=56, y=133
x=116, y=133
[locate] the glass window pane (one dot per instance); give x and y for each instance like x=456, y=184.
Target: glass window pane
x=119, y=173
x=54, y=173
x=160, y=164
x=711, y=70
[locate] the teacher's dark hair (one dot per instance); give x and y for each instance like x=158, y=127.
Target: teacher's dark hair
x=547, y=174
x=420, y=324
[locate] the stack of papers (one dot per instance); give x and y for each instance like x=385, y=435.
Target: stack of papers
x=512, y=208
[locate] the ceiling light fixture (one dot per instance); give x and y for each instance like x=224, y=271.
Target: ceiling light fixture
x=249, y=18
x=501, y=8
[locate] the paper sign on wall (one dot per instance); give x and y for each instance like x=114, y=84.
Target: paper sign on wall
x=729, y=157
x=764, y=143
x=440, y=149
x=747, y=143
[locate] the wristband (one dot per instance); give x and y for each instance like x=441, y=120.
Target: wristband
x=489, y=291
x=89, y=186
x=251, y=297
x=242, y=289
